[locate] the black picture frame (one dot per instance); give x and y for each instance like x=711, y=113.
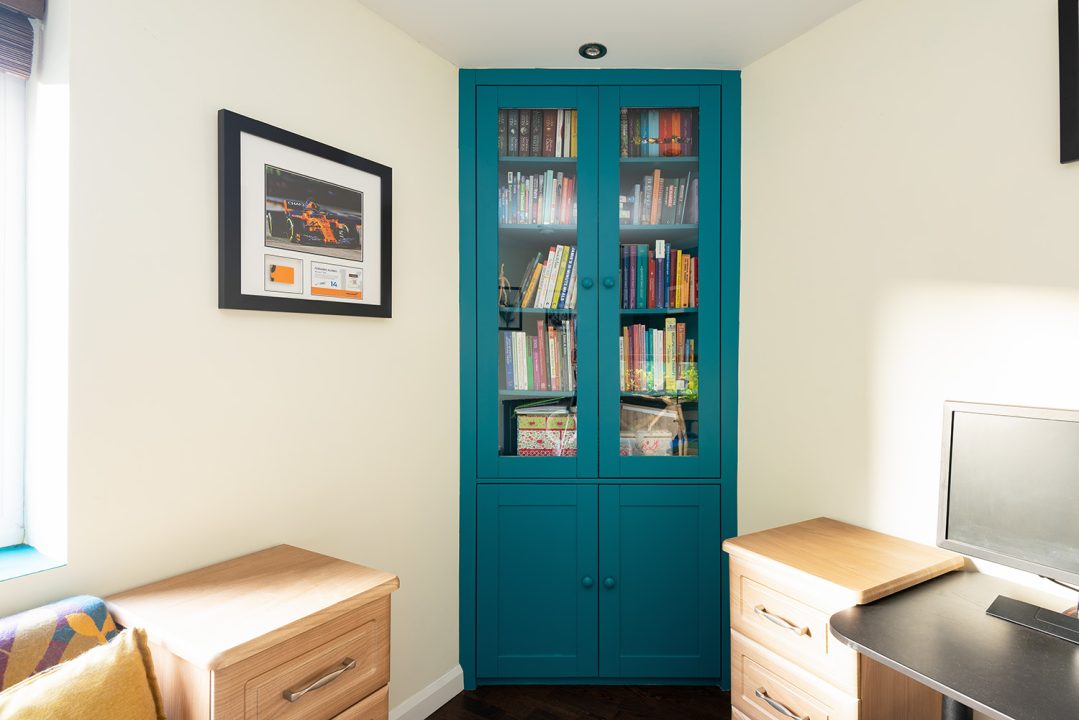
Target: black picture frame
x=1068, y=13
x=231, y=126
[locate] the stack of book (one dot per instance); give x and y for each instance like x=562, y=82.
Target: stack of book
x=658, y=133
x=657, y=200
x=547, y=198
x=658, y=278
x=537, y=133
x=544, y=361
x=551, y=283
x=653, y=360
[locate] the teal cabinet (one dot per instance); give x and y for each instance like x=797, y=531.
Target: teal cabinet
x=599, y=343
x=537, y=561
x=583, y=582
x=660, y=572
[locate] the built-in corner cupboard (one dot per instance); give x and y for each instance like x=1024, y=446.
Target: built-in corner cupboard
x=599, y=327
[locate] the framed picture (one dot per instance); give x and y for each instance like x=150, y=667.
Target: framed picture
x=303, y=226
x=1068, y=11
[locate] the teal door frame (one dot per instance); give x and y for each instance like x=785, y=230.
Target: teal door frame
x=723, y=89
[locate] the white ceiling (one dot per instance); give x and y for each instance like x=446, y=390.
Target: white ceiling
x=726, y=34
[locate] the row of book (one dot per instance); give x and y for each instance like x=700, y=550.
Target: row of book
x=537, y=133
x=547, y=198
x=544, y=361
x=652, y=360
x=551, y=283
x=657, y=200
x=658, y=133
x=661, y=277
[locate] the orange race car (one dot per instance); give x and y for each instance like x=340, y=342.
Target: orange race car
x=307, y=223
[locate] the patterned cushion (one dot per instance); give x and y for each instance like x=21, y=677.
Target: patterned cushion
x=114, y=681
x=43, y=637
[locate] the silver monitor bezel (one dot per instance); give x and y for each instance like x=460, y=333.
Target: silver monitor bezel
x=950, y=408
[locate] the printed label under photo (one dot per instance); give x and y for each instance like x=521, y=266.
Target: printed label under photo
x=336, y=281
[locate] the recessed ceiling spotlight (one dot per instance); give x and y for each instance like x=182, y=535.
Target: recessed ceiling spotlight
x=592, y=50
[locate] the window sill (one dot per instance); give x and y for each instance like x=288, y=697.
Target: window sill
x=19, y=560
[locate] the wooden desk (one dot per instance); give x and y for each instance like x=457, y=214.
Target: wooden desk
x=231, y=640
x=785, y=583
x=938, y=634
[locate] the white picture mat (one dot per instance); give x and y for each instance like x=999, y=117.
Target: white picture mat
x=255, y=154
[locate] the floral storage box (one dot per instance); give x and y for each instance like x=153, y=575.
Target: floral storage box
x=546, y=431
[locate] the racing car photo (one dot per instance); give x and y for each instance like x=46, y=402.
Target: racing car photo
x=310, y=215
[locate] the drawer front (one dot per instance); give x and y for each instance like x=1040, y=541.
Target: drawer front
x=375, y=707
x=341, y=672
x=737, y=714
x=764, y=686
x=764, y=607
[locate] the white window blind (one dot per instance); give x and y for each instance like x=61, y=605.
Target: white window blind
x=12, y=305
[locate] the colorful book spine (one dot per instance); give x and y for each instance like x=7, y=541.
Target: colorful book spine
x=550, y=118
x=507, y=349
x=534, y=358
x=511, y=143
x=669, y=333
x=642, y=277
x=623, y=130
x=503, y=131
x=567, y=275
x=524, y=133
x=536, y=126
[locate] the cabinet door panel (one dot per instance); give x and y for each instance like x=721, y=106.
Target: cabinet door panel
x=536, y=613
x=659, y=581
x=659, y=262
x=535, y=276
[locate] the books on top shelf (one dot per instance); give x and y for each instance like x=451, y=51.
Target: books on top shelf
x=537, y=133
x=658, y=133
x=550, y=281
x=658, y=200
x=548, y=198
x=659, y=277
x=652, y=360
x=546, y=360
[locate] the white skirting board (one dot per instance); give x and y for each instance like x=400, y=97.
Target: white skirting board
x=431, y=698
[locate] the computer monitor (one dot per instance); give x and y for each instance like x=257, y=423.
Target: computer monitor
x=1009, y=492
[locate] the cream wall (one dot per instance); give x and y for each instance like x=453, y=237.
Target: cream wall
x=909, y=237
x=176, y=456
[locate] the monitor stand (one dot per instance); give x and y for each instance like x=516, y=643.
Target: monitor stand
x=1036, y=618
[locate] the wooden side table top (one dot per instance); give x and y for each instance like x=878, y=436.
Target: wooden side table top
x=862, y=564
x=218, y=615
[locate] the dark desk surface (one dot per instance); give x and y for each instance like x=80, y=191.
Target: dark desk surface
x=938, y=633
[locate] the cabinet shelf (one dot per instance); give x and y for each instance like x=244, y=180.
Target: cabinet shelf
x=538, y=233
x=658, y=311
x=537, y=393
x=660, y=394
x=533, y=160
x=538, y=310
x=670, y=230
x=677, y=161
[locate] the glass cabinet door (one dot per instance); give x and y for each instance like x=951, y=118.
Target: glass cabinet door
x=658, y=254
x=536, y=176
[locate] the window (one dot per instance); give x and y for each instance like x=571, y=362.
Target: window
x=12, y=305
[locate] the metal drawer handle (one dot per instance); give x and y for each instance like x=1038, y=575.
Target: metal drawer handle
x=294, y=695
x=781, y=622
x=778, y=706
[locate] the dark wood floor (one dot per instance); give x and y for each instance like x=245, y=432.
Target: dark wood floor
x=591, y=702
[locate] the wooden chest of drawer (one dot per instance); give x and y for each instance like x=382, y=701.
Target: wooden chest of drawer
x=284, y=634
x=764, y=686
x=785, y=585
x=773, y=608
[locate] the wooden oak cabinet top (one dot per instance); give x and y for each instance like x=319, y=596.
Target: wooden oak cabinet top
x=861, y=563
x=218, y=615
